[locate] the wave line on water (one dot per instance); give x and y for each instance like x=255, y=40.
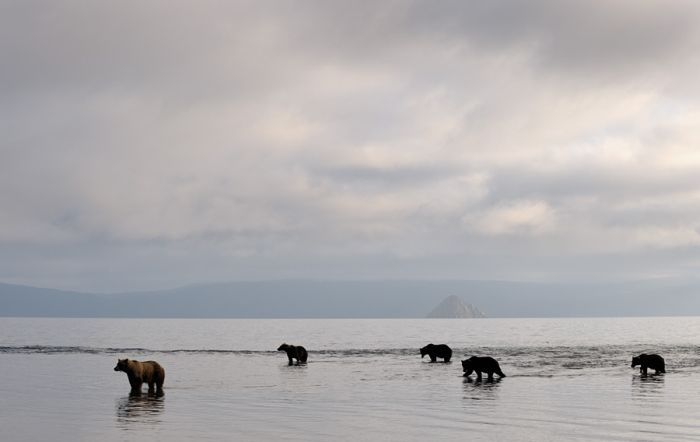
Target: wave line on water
x=528, y=359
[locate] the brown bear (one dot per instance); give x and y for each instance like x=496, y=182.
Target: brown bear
x=436, y=351
x=139, y=372
x=485, y=364
x=294, y=352
x=654, y=362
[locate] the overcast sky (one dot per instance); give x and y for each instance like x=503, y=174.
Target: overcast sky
x=151, y=144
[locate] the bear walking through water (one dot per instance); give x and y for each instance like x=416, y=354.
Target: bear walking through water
x=294, y=352
x=484, y=364
x=654, y=362
x=149, y=372
x=436, y=351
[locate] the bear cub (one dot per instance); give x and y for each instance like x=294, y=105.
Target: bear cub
x=294, y=352
x=149, y=372
x=484, y=364
x=655, y=362
x=436, y=351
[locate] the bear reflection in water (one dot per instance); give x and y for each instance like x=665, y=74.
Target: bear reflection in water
x=140, y=408
x=480, y=393
x=647, y=390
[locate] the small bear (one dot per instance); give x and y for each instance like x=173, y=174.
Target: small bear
x=139, y=372
x=485, y=364
x=294, y=352
x=655, y=362
x=436, y=351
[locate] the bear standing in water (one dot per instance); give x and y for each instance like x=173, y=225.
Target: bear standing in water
x=149, y=372
x=294, y=352
x=655, y=362
x=485, y=364
x=436, y=351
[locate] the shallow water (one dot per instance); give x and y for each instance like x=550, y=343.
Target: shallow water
x=567, y=379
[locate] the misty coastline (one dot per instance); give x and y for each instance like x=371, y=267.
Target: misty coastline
x=358, y=299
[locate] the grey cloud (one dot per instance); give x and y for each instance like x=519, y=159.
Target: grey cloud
x=594, y=36
x=87, y=46
x=389, y=177
x=171, y=51
x=611, y=184
x=605, y=200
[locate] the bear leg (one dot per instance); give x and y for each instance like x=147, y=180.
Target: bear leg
x=490, y=378
x=643, y=370
x=151, y=387
x=159, y=387
x=447, y=359
x=136, y=385
x=478, y=375
x=433, y=358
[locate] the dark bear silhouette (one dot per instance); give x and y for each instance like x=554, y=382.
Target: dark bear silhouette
x=294, y=352
x=655, y=362
x=436, y=351
x=485, y=364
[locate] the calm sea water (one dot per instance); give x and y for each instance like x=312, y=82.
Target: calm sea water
x=568, y=379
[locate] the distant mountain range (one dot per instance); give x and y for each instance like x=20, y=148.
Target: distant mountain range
x=359, y=299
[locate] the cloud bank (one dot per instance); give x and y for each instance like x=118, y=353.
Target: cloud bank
x=146, y=145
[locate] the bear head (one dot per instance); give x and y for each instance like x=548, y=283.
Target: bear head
x=425, y=350
x=283, y=347
x=468, y=365
x=122, y=365
x=637, y=360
